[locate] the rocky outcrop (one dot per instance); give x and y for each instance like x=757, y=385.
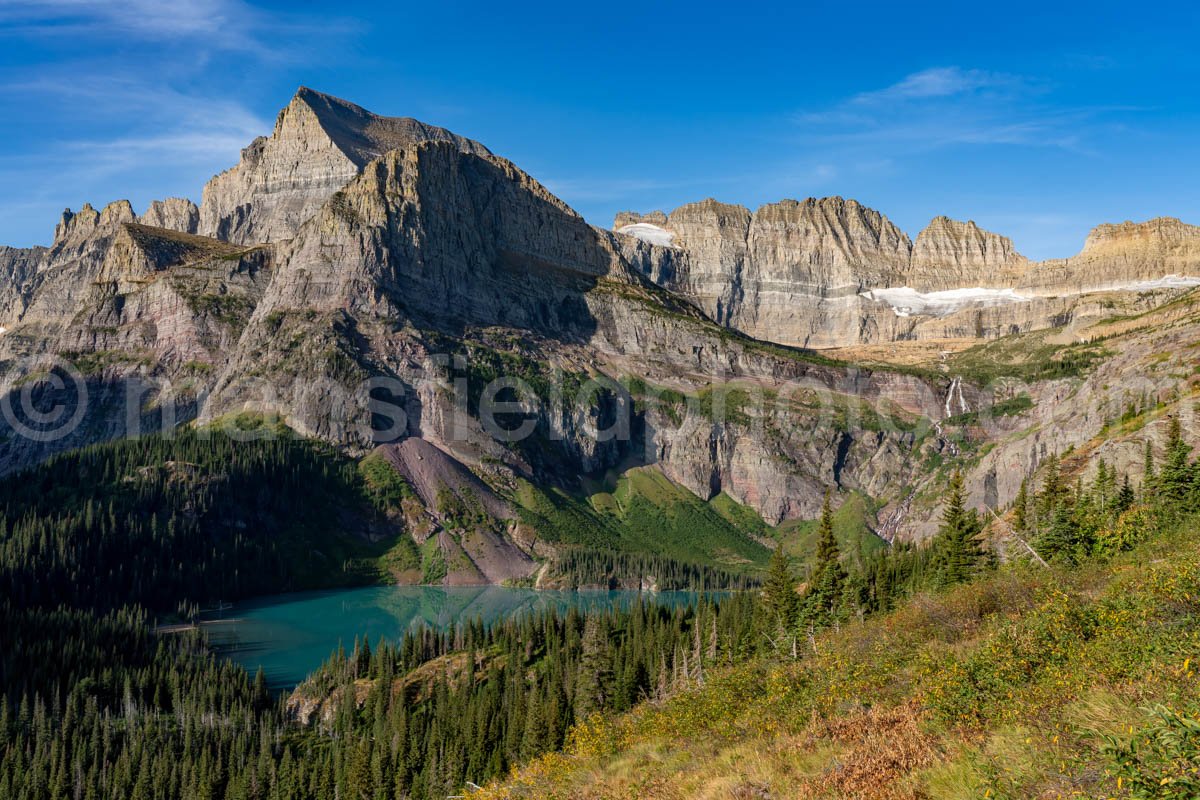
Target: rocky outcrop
x=167, y=300
x=174, y=213
x=319, y=144
x=63, y=276
x=714, y=237
x=122, y=327
x=826, y=246
x=18, y=265
x=428, y=238
x=627, y=218
x=949, y=255
x=1129, y=255
x=432, y=249
x=789, y=272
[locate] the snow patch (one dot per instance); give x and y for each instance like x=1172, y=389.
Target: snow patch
x=906, y=301
x=1166, y=282
x=651, y=234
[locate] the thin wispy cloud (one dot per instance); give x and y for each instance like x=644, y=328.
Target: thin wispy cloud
x=940, y=82
x=945, y=106
x=219, y=20
x=171, y=127
x=133, y=96
x=178, y=142
x=207, y=25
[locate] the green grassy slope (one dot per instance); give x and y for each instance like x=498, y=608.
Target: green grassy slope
x=852, y=525
x=642, y=511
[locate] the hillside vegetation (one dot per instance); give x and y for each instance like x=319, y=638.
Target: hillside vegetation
x=191, y=519
x=1030, y=682
x=1068, y=674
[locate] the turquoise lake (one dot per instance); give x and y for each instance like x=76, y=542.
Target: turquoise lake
x=291, y=635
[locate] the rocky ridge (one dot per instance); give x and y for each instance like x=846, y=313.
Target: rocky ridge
x=174, y=213
x=824, y=273
x=319, y=144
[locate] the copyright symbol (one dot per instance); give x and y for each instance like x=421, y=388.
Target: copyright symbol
x=43, y=399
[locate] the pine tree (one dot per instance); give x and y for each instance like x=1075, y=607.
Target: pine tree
x=957, y=553
x=1052, y=493
x=824, y=596
x=1148, y=477
x=827, y=546
x=594, y=683
x=779, y=600
x=1058, y=540
x=1174, y=481
x=1021, y=509
x=1104, y=488
x=536, y=737
x=262, y=697
x=1125, y=498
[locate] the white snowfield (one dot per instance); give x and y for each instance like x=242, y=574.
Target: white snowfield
x=1168, y=282
x=651, y=234
x=907, y=302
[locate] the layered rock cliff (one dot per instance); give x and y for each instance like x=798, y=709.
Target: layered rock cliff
x=1128, y=255
x=433, y=248
x=825, y=273
x=17, y=268
x=950, y=255
x=174, y=213
x=319, y=144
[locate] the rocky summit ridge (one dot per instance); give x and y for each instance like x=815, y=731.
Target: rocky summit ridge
x=319, y=143
x=350, y=258
x=823, y=272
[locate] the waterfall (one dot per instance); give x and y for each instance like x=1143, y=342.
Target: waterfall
x=956, y=392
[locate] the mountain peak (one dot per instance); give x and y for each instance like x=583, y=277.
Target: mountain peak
x=320, y=143
x=363, y=135
x=951, y=254
x=1157, y=232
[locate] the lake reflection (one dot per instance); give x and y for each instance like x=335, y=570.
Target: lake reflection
x=291, y=635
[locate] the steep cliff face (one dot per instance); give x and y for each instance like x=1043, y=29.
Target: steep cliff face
x=714, y=238
x=1122, y=256
x=789, y=272
x=105, y=257
x=826, y=246
x=319, y=144
x=17, y=268
x=62, y=276
x=123, y=328
x=949, y=254
x=826, y=273
x=432, y=251
x=174, y=213
x=172, y=303
x=427, y=245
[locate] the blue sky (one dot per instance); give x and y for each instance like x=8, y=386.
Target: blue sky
x=1036, y=120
